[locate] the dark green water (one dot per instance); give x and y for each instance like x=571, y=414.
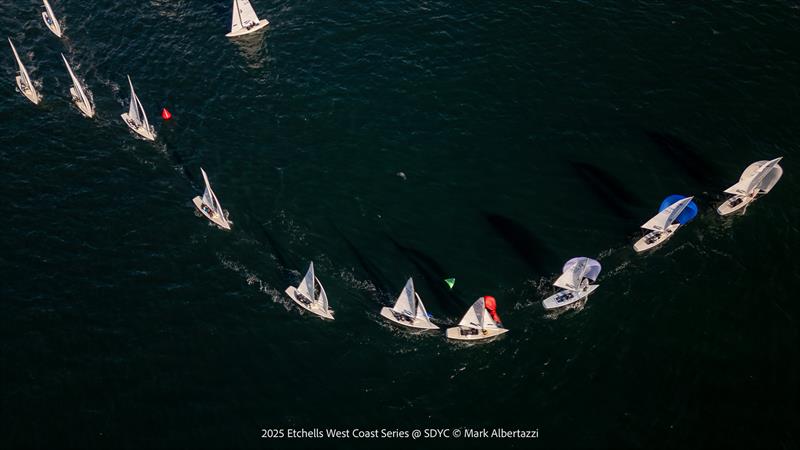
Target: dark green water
x=529, y=133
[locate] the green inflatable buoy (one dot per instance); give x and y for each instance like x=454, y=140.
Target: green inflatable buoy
x=450, y=282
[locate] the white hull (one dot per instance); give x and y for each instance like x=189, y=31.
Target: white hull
x=261, y=24
x=566, y=298
x=313, y=308
x=54, y=27
x=460, y=333
x=402, y=319
x=148, y=134
x=28, y=93
x=734, y=204
x=651, y=240
x=198, y=203
x=89, y=113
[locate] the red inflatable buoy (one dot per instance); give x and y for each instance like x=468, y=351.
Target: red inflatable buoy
x=165, y=114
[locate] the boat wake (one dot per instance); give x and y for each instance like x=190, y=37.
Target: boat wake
x=252, y=279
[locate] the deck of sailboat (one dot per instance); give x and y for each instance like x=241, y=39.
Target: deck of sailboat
x=30, y=94
x=198, y=203
x=140, y=130
x=406, y=321
x=313, y=307
x=645, y=243
x=562, y=298
x=261, y=24
x=460, y=333
x=726, y=208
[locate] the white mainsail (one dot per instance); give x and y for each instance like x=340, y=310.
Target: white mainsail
x=243, y=15
x=25, y=79
x=87, y=108
x=210, y=198
x=307, y=285
x=54, y=26
x=572, y=277
x=753, y=177
x=406, y=302
x=136, y=110
x=474, y=318
x=662, y=220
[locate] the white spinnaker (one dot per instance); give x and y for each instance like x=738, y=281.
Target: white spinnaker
x=405, y=301
x=306, y=286
x=26, y=79
x=78, y=87
x=242, y=12
x=474, y=318
x=662, y=220
x=751, y=180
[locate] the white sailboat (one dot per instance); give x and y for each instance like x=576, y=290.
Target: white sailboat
x=50, y=19
x=310, y=295
x=136, y=117
x=663, y=225
x=209, y=206
x=477, y=324
x=24, y=83
x=409, y=310
x=245, y=20
x=757, y=179
x=574, y=282
x=79, y=94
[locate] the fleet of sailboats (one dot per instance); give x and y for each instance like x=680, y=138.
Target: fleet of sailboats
x=209, y=206
x=80, y=95
x=574, y=282
x=408, y=310
x=136, y=118
x=244, y=19
x=480, y=322
x=310, y=295
x=24, y=83
x=757, y=179
x=675, y=210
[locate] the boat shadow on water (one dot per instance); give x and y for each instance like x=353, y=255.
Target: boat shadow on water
x=687, y=158
x=608, y=190
x=528, y=247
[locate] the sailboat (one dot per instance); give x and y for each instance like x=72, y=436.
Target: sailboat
x=24, y=83
x=245, y=20
x=675, y=211
x=477, y=324
x=209, y=206
x=50, y=19
x=136, y=117
x=757, y=179
x=574, y=282
x=310, y=295
x=79, y=96
x=409, y=310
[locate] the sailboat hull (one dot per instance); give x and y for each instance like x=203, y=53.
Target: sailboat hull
x=565, y=298
x=313, y=308
x=460, y=333
x=28, y=93
x=89, y=113
x=51, y=24
x=146, y=133
x=648, y=241
x=261, y=24
x=735, y=204
x=403, y=320
x=215, y=219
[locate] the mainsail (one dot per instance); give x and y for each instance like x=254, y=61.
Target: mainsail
x=406, y=302
x=668, y=215
x=757, y=176
x=476, y=316
x=210, y=198
x=243, y=15
x=307, y=285
x=135, y=110
x=53, y=24
x=575, y=270
x=79, y=89
x=23, y=72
